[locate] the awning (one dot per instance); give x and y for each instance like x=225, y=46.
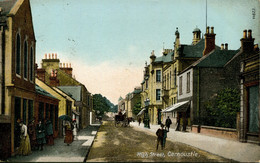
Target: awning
x=141, y=112
x=179, y=107
x=75, y=112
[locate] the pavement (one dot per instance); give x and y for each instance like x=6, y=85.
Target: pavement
x=61, y=152
x=235, y=150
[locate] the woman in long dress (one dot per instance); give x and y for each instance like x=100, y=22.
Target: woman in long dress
x=25, y=146
x=68, y=134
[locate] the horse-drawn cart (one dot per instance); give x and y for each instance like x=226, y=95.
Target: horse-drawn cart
x=121, y=119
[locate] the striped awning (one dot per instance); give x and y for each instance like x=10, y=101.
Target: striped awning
x=181, y=106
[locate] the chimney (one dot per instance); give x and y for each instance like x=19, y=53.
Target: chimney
x=256, y=48
x=63, y=65
x=52, y=56
x=54, y=81
x=55, y=55
x=247, y=42
x=60, y=65
x=222, y=46
x=70, y=65
x=66, y=65
x=209, y=41
x=45, y=57
x=226, y=46
x=49, y=55
x=152, y=57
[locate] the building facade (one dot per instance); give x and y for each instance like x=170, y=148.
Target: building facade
x=17, y=70
x=250, y=110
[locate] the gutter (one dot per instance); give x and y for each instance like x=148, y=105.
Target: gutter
x=2, y=108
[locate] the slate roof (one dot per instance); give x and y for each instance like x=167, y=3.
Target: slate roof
x=41, y=91
x=73, y=91
x=193, y=51
x=6, y=6
x=218, y=58
x=137, y=91
x=165, y=59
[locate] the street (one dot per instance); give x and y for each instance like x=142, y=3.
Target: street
x=60, y=152
x=127, y=144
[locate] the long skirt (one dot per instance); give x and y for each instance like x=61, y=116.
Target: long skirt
x=25, y=146
x=50, y=140
x=68, y=137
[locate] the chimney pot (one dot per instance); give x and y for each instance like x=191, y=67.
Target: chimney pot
x=49, y=55
x=245, y=34
x=207, y=31
x=45, y=57
x=66, y=65
x=55, y=55
x=63, y=65
x=226, y=46
x=60, y=65
x=249, y=34
x=222, y=46
x=52, y=55
x=212, y=30
x=70, y=65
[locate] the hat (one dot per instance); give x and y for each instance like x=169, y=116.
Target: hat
x=19, y=121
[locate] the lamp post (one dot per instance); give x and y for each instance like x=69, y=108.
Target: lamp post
x=146, y=115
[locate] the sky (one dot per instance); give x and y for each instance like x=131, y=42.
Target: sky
x=108, y=42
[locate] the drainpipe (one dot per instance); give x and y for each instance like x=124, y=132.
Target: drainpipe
x=198, y=100
x=2, y=111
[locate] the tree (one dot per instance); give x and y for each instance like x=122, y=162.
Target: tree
x=222, y=110
x=100, y=104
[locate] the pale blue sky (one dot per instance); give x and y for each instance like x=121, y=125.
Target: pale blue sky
x=124, y=32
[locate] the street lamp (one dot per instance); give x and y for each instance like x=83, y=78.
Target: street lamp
x=146, y=115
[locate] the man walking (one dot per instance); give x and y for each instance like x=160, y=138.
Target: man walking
x=160, y=134
x=168, y=123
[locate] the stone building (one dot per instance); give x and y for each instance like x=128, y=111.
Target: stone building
x=57, y=74
x=131, y=100
x=250, y=110
x=17, y=59
x=216, y=70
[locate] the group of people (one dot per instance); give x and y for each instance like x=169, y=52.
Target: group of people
x=70, y=132
x=162, y=133
x=34, y=136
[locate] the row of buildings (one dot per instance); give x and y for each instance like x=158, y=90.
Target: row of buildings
x=180, y=82
x=28, y=92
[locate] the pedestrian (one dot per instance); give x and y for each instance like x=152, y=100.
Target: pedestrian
x=68, y=139
x=160, y=134
x=164, y=136
x=74, y=123
x=40, y=134
x=32, y=134
x=168, y=123
x=178, y=123
x=25, y=146
x=139, y=120
x=49, y=132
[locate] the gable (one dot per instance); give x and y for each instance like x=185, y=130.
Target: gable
x=22, y=17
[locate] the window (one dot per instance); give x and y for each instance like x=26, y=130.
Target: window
x=170, y=79
x=168, y=82
x=146, y=83
x=24, y=110
x=188, y=82
x=158, y=94
x=30, y=110
x=158, y=75
x=180, y=86
x=56, y=118
x=31, y=64
x=18, y=55
x=25, y=60
x=253, y=109
x=175, y=77
x=175, y=100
